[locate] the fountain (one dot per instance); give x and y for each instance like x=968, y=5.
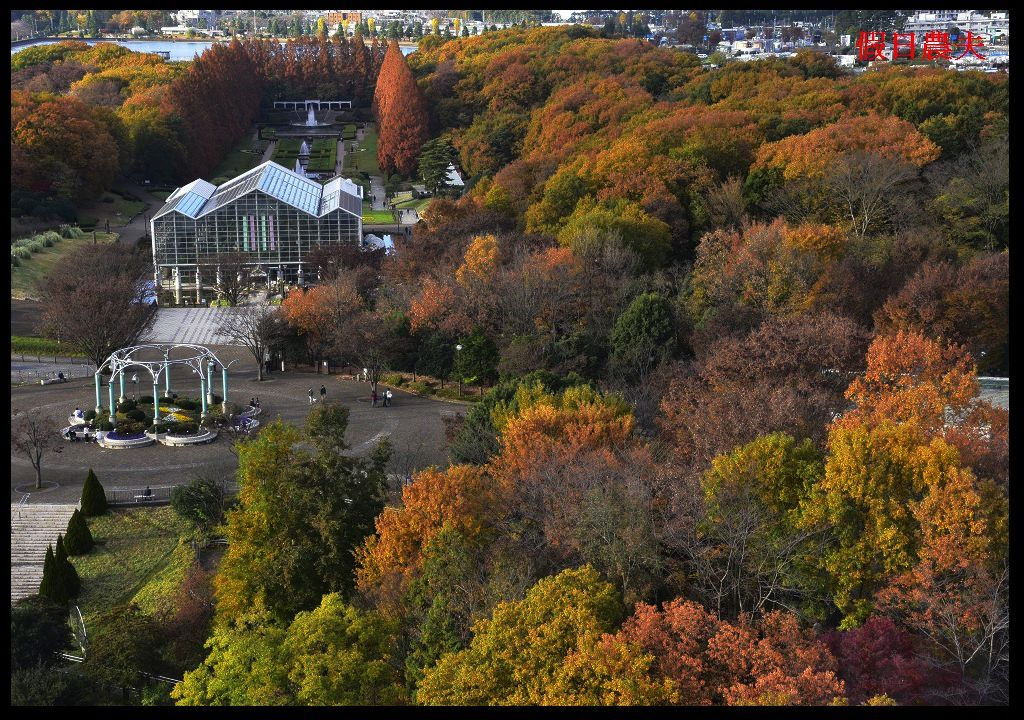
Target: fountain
x=311, y=120
x=304, y=149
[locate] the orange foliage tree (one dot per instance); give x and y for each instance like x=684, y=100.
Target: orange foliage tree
x=401, y=111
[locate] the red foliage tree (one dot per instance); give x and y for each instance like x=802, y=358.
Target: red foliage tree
x=402, y=118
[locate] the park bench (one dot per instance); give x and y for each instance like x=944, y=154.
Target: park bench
x=143, y=498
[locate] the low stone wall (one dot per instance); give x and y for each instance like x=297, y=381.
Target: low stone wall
x=181, y=440
x=104, y=440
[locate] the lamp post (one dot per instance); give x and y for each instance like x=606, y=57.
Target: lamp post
x=459, y=348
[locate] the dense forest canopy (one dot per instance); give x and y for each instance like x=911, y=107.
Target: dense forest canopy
x=731, y=321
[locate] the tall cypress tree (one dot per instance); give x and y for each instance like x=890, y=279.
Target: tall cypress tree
x=94, y=500
x=78, y=540
x=53, y=586
x=72, y=583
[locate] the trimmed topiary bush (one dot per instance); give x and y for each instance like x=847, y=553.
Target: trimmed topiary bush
x=94, y=500
x=90, y=415
x=72, y=583
x=145, y=400
x=127, y=406
x=136, y=414
x=78, y=540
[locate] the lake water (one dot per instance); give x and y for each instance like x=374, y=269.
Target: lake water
x=179, y=50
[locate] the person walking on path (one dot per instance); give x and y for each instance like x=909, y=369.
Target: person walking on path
x=387, y=398
x=310, y=394
x=323, y=393
x=373, y=396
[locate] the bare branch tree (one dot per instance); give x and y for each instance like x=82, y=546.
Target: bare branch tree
x=256, y=328
x=96, y=300
x=33, y=436
x=232, y=275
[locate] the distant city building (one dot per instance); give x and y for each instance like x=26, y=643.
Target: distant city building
x=196, y=18
x=994, y=25
x=337, y=17
x=269, y=213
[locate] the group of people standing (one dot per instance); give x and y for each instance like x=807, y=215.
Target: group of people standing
x=384, y=398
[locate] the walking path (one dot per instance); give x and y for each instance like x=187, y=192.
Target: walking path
x=33, y=527
x=340, y=165
x=379, y=194
x=269, y=152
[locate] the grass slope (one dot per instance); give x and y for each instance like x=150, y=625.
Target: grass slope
x=25, y=278
x=138, y=556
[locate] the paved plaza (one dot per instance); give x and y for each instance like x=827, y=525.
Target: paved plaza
x=414, y=425
x=197, y=325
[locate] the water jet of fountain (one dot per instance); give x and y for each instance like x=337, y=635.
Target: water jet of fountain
x=311, y=118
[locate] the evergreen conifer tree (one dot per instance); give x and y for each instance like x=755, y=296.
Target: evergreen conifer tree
x=78, y=540
x=94, y=500
x=52, y=586
x=72, y=583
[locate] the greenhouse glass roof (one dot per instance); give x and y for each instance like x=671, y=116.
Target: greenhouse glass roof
x=200, y=197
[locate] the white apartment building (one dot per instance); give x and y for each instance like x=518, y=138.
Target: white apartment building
x=991, y=26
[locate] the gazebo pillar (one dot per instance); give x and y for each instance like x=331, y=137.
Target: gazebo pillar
x=167, y=378
x=202, y=393
x=224, y=388
x=113, y=407
x=121, y=377
x=209, y=383
x=99, y=400
x=156, y=401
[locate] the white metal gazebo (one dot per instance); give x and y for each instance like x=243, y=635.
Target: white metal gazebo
x=200, y=359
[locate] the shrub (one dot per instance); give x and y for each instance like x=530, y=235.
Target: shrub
x=162, y=427
x=104, y=425
x=184, y=428
x=136, y=415
x=90, y=415
x=15, y=262
x=78, y=540
x=130, y=427
x=145, y=400
x=127, y=406
x=200, y=503
x=94, y=500
x=186, y=404
x=23, y=253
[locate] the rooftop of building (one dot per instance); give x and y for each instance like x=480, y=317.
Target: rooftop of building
x=199, y=197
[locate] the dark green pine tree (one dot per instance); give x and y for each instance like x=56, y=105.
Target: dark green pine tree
x=434, y=160
x=72, y=583
x=52, y=586
x=78, y=540
x=94, y=500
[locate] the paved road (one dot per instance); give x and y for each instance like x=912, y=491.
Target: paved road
x=414, y=425
x=197, y=325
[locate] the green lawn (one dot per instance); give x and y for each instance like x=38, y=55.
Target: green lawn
x=418, y=205
x=238, y=160
x=25, y=278
x=161, y=194
x=41, y=346
x=118, y=211
x=376, y=216
x=365, y=158
x=138, y=556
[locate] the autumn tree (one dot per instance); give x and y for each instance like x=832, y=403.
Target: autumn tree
x=98, y=323
x=401, y=113
x=546, y=650
x=292, y=558
x=768, y=661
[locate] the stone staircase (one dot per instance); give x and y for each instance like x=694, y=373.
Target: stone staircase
x=33, y=527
